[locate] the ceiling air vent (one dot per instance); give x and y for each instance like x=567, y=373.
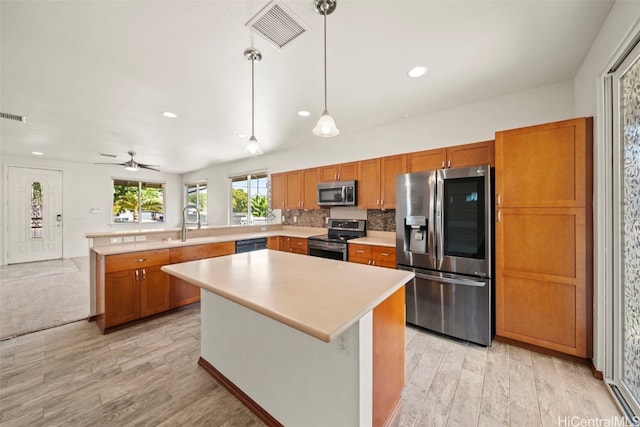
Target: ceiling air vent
x=15, y=117
x=277, y=23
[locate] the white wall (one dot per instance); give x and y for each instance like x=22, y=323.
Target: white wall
x=614, y=37
x=87, y=186
x=471, y=123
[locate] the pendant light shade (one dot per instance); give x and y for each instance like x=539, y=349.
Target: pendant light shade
x=326, y=126
x=252, y=146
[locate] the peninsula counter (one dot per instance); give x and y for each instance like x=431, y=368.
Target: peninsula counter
x=303, y=340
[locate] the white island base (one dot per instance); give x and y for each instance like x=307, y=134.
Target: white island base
x=298, y=352
x=299, y=380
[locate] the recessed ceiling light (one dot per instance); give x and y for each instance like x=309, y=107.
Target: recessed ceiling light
x=303, y=113
x=37, y=153
x=417, y=71
x=169, y=114
x=242, y=135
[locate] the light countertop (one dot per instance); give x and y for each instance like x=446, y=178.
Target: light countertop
x=147, y=245
x=317, y=296
x=375, y=241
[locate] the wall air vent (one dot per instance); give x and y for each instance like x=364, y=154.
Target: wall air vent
x=15, y=117
x=277, y=23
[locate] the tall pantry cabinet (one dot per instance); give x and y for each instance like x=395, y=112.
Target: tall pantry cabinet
x=543, y=225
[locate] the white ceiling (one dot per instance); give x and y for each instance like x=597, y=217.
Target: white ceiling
x=94, y=76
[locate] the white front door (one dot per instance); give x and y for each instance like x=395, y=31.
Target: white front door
x=34, y=225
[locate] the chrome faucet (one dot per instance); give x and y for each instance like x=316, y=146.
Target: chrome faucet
x=187, y=209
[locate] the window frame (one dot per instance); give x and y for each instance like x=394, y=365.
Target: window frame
x=198, y=184
x=142, y=183
x=256, y=174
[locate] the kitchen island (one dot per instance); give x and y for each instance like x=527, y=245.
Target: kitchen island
x=303, y=340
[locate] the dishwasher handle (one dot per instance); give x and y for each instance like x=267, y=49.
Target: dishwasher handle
x=454, y=281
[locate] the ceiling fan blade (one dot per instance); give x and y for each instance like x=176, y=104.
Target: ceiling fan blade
x=101, y=163
x=149, y=167
x=108, y=155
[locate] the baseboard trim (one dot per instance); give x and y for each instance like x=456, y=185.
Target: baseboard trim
x=596, y=374
x=251, y=404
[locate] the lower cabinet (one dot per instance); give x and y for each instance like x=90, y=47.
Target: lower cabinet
x=133, y=287
x=380, y=256
x=183, y=292
x=297, y=245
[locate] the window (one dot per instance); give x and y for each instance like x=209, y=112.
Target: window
x=36, y=210
x=196, y=194
x=137, y=201
x=249, y=199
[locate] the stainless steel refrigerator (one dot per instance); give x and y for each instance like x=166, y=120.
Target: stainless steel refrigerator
x=443, y=235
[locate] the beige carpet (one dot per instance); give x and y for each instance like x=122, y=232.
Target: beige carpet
x=41, y=295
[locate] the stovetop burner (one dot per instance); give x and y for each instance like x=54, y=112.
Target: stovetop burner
x=341, y=230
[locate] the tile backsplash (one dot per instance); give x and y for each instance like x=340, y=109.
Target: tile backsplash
x=377, y=220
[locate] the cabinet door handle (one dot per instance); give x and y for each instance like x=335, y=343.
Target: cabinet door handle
x=499, y=216
x=443, y=164
x=141, y=260
x=373, y=262
x=137, y=276
x=360, y=251
x=369, y=262
x=382, y=202
x=498, y=199
x=377, y=202
x=449, y=163
x=144, y=274
x=384, y=254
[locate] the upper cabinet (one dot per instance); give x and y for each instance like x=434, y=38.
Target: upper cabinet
x=377, y=181
x=340, y=172
x=295, y=189
x=376, y=177
x=458, y=156
x=278, y=190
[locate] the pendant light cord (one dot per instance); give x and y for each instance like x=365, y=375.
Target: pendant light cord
x=252, y=97
x=325, y=60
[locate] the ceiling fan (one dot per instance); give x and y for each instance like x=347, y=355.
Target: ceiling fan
x=131, y=165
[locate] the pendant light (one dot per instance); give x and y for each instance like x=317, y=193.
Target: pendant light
x=326, y=126
x=252, y=146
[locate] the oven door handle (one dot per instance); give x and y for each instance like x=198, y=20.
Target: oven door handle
x=463, y=282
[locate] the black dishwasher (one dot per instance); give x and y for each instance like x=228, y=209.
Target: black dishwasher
x=248, y=245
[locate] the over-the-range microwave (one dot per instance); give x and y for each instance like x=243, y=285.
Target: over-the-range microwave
x=337, y=193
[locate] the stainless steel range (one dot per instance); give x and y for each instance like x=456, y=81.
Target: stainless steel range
x=333, y=245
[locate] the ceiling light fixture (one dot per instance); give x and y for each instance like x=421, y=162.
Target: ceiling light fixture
x=252, y=146
x=326, y=126
x=169, y=114
x=37, y=153
x=417, y=71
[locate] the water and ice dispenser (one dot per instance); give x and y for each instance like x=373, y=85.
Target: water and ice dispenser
x=415, y=229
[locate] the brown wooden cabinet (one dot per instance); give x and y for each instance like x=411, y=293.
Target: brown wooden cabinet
x=543, y=196
x=183, y=292
x=295, y=189
x=154, y=291
x=273, y=243
x=458, y=156
x=377, y=181
x=310, y=189
x=278, y=190
x=296, y=245
x=380, y=256
x=339, y=172
x=133, y=287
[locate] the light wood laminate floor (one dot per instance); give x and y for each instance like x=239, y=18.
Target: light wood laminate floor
x=147, y=375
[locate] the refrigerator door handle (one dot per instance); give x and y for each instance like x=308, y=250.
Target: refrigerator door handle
x=463, y=282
